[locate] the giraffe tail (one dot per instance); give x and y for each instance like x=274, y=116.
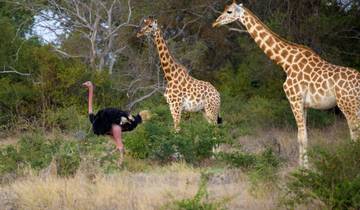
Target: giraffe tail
x=219, y=120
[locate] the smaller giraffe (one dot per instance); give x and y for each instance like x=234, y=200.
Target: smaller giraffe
x=183, y=92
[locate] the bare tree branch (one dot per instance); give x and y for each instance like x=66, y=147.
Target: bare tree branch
x=12, y=71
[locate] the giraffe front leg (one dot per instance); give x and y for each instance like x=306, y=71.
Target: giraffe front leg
x=300, y=116
x=175, y=109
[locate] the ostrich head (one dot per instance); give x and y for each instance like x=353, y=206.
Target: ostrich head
x=87, y=84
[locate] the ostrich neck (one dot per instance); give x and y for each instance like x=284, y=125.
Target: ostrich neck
x=90, y=99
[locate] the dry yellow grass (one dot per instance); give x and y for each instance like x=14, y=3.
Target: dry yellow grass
x=126, y=190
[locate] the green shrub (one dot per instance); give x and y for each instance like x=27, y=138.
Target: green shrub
x=157, y=140
x=36, y=151
x=68, y=159
x=67, y=118
x=334, y=178
x=9, y=158
x=199, y=201
x=261, y=167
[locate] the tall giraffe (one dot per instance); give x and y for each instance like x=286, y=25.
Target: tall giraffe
x=183, y=92
x=311, y=81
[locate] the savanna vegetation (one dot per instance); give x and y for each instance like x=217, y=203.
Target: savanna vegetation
x=49, y=158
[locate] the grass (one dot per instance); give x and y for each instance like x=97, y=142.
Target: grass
x=126, y=190
x=147, y=184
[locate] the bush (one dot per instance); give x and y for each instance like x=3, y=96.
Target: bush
x=156, y=139
x=36, y=151
x=9, y=158
x=262, y=167
x=198, y=202
x=334, y=178
x=68, y=159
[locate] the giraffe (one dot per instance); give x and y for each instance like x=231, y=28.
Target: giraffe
x=183, y=92
x=311, y=81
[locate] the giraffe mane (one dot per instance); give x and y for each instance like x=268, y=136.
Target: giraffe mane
x=277, y=35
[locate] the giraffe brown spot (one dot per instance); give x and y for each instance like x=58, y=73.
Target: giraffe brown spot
x=168, y=78
x=176, y=75
x=254, y=33
x=166, y=70
x=307, y=77
x=160, y=48
x=289, y=82
x=270, y=41
x=307, y=69
x=162, y=54
x=277, y=59
x=316, y=59
x=284, y=53
x=259, y=28
x=263, y=34
x=276, y=48
x=167, y=55
x=248, y=26
x=269, y=53
x=165, y=64
x=307, y=53
x=290, y=58
x=312, y=64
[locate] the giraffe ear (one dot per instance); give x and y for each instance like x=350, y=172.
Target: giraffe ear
x=234, y=1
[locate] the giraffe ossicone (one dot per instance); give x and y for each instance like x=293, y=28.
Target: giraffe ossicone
x=183, y=92
x=311, y=81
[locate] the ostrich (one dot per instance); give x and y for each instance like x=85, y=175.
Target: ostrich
x=112, y=121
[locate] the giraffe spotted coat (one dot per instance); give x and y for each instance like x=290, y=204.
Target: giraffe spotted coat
x=183, y=92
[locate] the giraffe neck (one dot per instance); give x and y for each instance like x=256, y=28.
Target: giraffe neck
x=276, y=48
x=170, y=67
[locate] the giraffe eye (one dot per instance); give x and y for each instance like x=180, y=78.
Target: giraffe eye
x=150, y=26
x=229, y=12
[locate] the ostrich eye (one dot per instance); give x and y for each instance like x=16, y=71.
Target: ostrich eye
x=229, y=12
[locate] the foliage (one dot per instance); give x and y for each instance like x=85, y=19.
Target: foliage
x=261, y=167
x=157, y=140
x=333, y=178
x=37, y=151
x=199, y=201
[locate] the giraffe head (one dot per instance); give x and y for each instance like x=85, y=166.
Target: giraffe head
x=231, y=13
x=148, y=28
